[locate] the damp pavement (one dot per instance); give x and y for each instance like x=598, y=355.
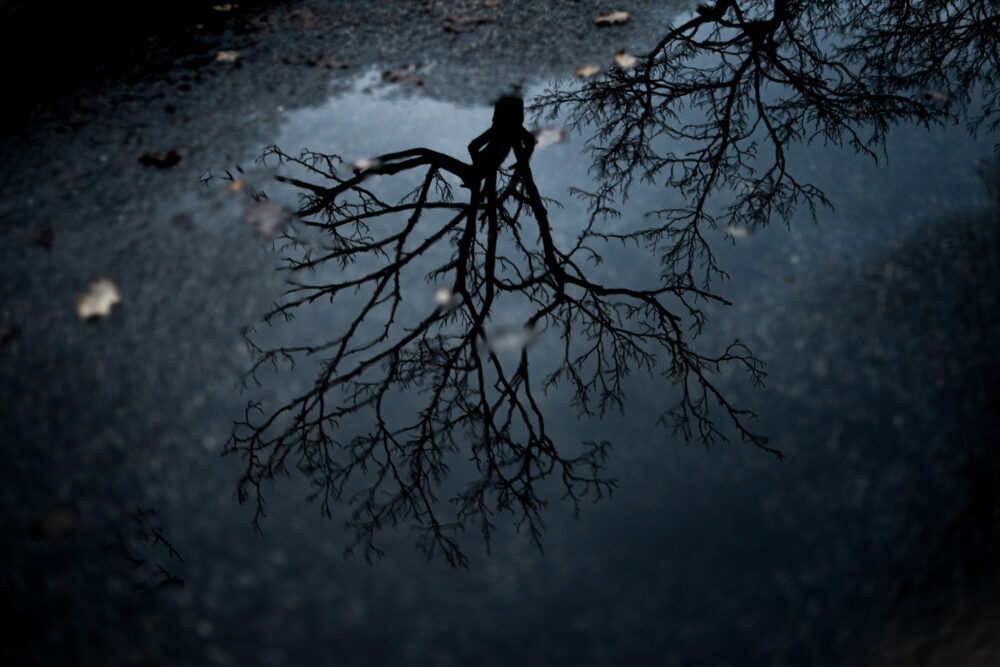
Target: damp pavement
x=872, y=542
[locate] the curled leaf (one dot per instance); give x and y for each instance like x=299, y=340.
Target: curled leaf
x=611, y=18
x=98, y=300
x=625, y=60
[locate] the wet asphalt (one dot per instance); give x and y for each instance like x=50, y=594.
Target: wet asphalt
x=874, y=539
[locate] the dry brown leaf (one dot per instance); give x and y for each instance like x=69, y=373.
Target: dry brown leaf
x=611, y=18
x=934, y=95
x=404, y=74
x=161, y=160
x=235, y=186
x=624, y=59
x=548, y=136
x=465, y=22
x=98, y=300
x=587, y=71
x=227, y=56
x=267, y=217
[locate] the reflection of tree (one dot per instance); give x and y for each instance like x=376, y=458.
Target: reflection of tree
x=715, y=108
x=471, y=400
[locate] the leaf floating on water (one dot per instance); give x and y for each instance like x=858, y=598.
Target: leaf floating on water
x=235, y=186
x=443, y=296
x=404, y=74
x=465, y=23
x=624, y=59
x=737, y=232
x=227, y=56
x=267, y=217
x=41, y=235
x=98, y=300
x=611, y=18
x=328, y=62
x=491, y=4
x=161, y=160
x=587, y=71
x=511, y=339
x=934, y=95
x=364, y=164
x=226, y=7
x=548, y=136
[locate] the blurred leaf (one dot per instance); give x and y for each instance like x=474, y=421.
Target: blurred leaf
x=548, y=136
x=226, y=7
x=587, y=71
x=227, y=56
x=267, y=217
x=161, y=160
x=624, y=59
x=465, y=22
x=611, y=18
x=98, y=300
x=404, y=74
x=737, y=232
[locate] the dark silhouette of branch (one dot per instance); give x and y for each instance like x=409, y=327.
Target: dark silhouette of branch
x=470, y=390
x=713, y=109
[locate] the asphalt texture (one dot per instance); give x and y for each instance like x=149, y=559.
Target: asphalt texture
x=122, y=542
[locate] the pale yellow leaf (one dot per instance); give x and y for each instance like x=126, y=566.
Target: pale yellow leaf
x=625, y=60
x=611, y=18
x=98, y=300
x=587, y=71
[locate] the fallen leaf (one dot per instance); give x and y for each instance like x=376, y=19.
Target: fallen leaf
x=364, y=164
x=55, y=525
x=491, y=4
x=625, y=60
x=465, y=23
x=934, y=95
x=227, y=56
x=328, y=62
x=98, y=300
x=267, y=217
x=227, y=7
x=161, y=160
x=737, y=232
x=443, y=296
x=235, y=186
x=611, y=18
x=404, y=74
x=548, y=136
x=587, y=71
x=41, y=235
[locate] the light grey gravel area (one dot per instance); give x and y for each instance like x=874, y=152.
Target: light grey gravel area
x=874, y=542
